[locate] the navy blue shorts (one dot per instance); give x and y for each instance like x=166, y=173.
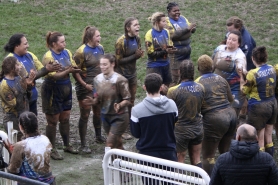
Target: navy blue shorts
x=163, y=71
x=56, y=96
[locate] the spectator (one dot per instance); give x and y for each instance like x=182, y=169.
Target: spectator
x=153, y=122
x=31, y=156
x=244, y=163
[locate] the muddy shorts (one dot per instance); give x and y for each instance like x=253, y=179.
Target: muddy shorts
x=82, y=94
x=188, y=135
x=116, y=124
x=218, y=123
x=163, y=71
x=260, y=114
x=56, y=97
x=81, y=91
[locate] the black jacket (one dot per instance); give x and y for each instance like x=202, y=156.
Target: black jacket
x=244, y=164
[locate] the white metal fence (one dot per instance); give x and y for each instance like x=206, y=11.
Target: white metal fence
x=12, y=137
x=129, y=168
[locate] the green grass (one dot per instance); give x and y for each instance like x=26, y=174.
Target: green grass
x=35, y=17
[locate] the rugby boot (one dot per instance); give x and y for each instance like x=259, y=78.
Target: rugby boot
x=99, y=137
x=84, y=150
x=55, y=155
x=70, y=149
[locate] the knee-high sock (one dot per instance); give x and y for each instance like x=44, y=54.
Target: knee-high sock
x=97, y=125
x=82, y=126
x=269, y=148
x=64, y=131
x=50, y=132
x=208, y=165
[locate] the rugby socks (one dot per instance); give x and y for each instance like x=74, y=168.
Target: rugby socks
x=208, y=165
x=50, y=132
x=199, y=164
x=82, y=126
x=269, y=148
x=64, y=131
x=262, y=149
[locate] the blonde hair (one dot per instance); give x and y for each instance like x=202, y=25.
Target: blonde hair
x=205, y=64
x=156, y=18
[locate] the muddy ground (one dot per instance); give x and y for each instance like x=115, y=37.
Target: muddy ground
x=82, y=169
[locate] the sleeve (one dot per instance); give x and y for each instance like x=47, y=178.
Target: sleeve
x=36, y=61
x=178, y=35
x=47, y=58
x=41, y=70
x=247, y=88
x=276, y=70
x=16, y=159
x=215, y=52
x=134, y=124
x=215, y=175
x=78, y=57
x=241, y=63
x=71, y=58
x=7, y=96
x=152, y=53
x=124, y=89
x=273, y=174
x=119, y=46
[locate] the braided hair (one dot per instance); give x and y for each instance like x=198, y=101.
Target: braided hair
x=187, y=70
x=171, y=5
x=29, y=122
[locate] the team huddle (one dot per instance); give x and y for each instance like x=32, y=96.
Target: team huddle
x=235, y=86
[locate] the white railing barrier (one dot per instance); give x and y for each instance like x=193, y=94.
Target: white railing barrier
x=12, y=136
x=125, y=169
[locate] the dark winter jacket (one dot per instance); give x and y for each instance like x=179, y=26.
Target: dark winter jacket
x=244, y=164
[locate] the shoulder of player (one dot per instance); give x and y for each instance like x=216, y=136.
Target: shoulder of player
x=120, y=39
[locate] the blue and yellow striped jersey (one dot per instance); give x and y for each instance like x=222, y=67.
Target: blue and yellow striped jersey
x=260, y=84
